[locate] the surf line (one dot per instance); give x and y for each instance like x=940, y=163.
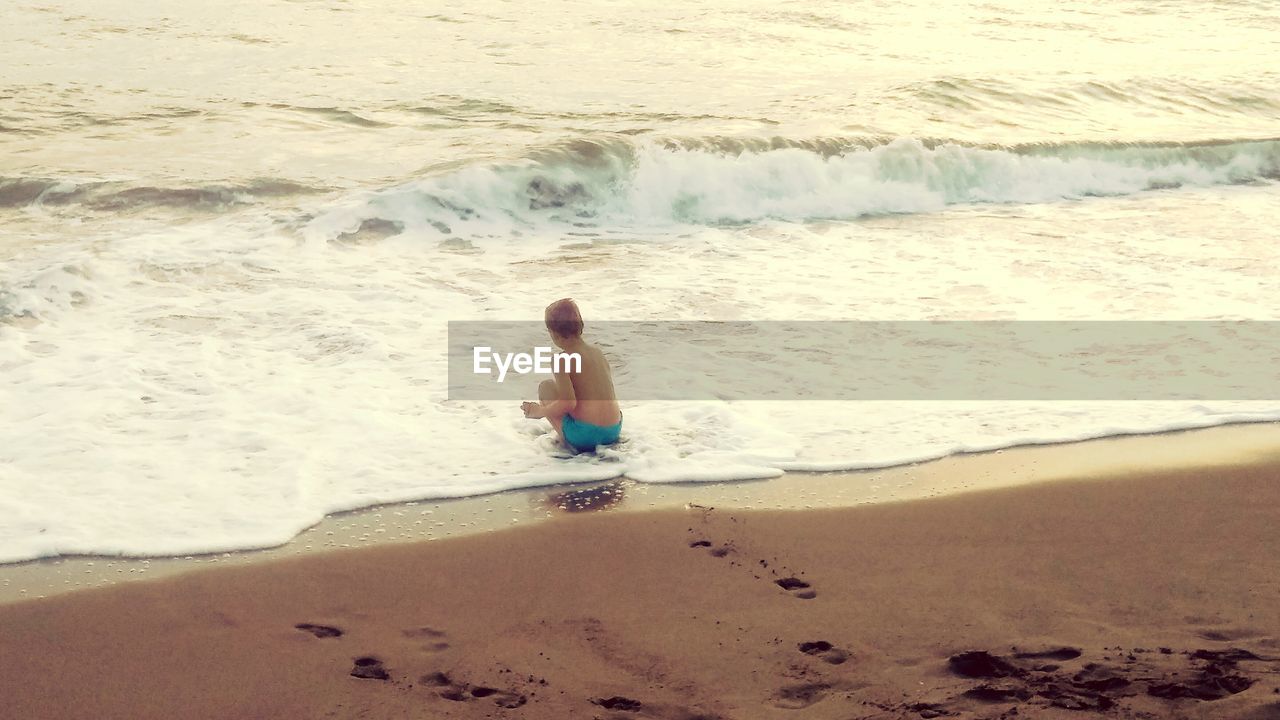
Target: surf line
x=541, y=361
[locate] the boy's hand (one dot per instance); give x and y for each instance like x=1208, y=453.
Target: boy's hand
x=531, y=409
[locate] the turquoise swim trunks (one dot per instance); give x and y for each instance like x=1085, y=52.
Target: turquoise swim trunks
x=584, y=436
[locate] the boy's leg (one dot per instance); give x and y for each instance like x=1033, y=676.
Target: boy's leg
x=547, y=393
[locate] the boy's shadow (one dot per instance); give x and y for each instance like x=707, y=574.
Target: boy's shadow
x=599, y=497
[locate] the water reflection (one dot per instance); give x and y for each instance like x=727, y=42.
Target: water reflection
x=587, y=499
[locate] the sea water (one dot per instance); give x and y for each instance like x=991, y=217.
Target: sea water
x=231, y=236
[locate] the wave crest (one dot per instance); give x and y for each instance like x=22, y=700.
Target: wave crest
x=706, y=181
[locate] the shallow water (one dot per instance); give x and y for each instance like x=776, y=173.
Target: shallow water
x=233, y=237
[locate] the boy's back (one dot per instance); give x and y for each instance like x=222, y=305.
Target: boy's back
x=597, y=404
x=580, y=405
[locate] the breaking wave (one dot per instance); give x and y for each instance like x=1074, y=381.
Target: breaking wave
x=707, y=181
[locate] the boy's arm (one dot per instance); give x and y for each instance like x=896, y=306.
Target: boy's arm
x=566, y=400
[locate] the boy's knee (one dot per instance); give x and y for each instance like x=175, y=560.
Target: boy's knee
x=546, y=389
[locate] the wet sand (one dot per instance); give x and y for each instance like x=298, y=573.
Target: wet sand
x=1149, y=593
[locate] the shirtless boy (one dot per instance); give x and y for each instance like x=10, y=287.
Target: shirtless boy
x=581, y=406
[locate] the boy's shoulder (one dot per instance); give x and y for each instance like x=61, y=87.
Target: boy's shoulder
x=591, y=352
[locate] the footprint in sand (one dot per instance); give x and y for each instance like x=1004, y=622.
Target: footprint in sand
x=500, y=698
x=618, y=702
x=798, y=697
x=1061, y=654
x=793, y=585
x=369, y=668
x=423, y=632
x=1226, y=634
x=320, y=631
x=982, y=664
x=718, y=552
x=824, y=650
x=1204, y=675
x=431, y=639
x=463, y=692
x=797, y=588
x=435, y=679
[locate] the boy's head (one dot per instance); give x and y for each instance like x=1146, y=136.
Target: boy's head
x=564, y=321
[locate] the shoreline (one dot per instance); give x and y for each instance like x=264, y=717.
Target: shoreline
x=432, y=520
x=1141, y=593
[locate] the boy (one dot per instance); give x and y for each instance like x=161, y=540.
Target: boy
x=581, y=406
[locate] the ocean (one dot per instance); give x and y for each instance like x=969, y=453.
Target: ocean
x=231, y=235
